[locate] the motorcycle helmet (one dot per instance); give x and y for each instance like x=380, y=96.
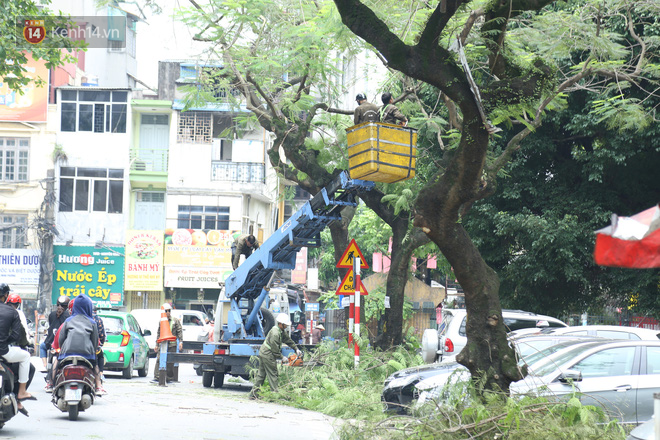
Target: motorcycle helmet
x=63, y=301
x=360, y=97
x=71, y=305
x=4, y=289
x=13, y=298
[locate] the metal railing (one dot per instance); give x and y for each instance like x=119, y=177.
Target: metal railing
x=149, y=159
x=243, y=172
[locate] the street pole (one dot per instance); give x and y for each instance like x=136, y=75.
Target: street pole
x=356, y=285
x=45, y=230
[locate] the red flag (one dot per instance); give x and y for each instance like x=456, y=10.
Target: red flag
x=632, y=242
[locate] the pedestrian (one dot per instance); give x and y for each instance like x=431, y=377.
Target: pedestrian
x=366, y=111
x=100, y=359
x=243, y=245
x=177, y=331
x=389, y=113
x=55, y=319
x=316, y=333
x=270, y=351
x=10, y=332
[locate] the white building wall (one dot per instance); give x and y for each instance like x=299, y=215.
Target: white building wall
x=95, y=150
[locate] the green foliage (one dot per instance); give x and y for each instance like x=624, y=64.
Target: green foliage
x=13, y=56
x=331, y=384
x=621, y=113
x=463, y=413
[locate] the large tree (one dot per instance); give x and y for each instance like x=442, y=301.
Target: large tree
x=14, y=50
x=524, y=54
x=283, y=57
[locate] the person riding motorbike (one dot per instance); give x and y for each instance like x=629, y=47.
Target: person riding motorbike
x=10, y=332
x=55, y=319
x=24, y=341
x=79, y=335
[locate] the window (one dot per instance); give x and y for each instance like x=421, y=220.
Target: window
x=221, y=150
x=203, y=217
x=13, y=230
x=98, y=111
x=194, y=127
x=14, y=159
x=91, y=189
x=652, y=360
x=612, y=362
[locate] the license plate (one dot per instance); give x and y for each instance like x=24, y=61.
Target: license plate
x=72, y=394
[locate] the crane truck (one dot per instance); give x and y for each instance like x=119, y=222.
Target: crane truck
x=247, y=288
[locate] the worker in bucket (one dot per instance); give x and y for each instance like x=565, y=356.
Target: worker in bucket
x=270, y=351
x=243, y=245
x=390, y=113
x=366, y=111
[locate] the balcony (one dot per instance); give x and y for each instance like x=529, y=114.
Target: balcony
x=150, y=160
x=240, y=172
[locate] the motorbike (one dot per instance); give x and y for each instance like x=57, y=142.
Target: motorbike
x=74, y=388
x=8, y=384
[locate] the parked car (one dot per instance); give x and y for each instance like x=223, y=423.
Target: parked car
x=619, y=376
x=450, y=338
x=125, y=348
x=192, y=322
x=399, y=389
x=148, y=319
x=605, y=331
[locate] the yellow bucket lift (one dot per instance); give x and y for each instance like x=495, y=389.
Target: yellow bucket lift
x=381, y=152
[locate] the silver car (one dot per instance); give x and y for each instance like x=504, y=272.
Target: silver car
x=619, y=376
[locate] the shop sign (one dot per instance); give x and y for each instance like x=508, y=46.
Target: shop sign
x=196, y=277
x=144, y=260
x=19, y=266
x=198, y=247
x=98, y=273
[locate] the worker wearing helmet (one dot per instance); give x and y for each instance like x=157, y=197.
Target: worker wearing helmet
x=270, y=351
x=14, y=300
x=366, y=111
x=177, y=331
x=55, y=319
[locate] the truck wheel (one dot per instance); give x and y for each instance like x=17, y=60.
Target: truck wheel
x=218, y=380
x=207, y=378
x=199, y=370
x=268, y=320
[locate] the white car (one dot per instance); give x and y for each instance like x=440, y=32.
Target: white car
x=193, y=324
x=450, y=338
x=606, y=331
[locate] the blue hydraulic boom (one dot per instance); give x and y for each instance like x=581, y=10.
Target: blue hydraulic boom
x=247, y=287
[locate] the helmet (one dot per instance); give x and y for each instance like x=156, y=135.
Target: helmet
x=71, y=305
x=4, y=289
x=166, y=306
x=283, y=318
x=13, y=298
x=63, y=301
x=360, y=97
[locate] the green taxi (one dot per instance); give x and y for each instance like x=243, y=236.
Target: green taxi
x=125, y=348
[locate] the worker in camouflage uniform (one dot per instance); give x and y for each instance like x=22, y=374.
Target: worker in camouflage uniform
x=270, y=351
x=177, y=331
x=243, y=245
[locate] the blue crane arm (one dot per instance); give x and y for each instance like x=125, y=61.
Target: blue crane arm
x=279, y=251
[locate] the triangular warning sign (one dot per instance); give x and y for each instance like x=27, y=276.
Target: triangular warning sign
x=346, y=286
x=346, y=260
